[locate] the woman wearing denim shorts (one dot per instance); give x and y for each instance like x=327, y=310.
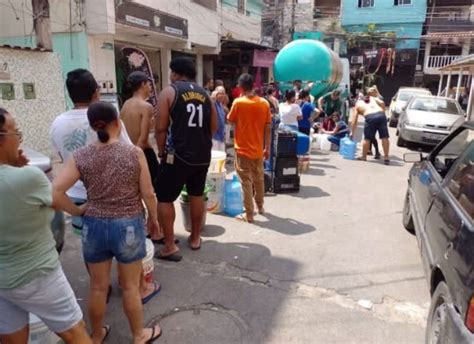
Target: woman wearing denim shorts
x=117, y=179
x=31, y=278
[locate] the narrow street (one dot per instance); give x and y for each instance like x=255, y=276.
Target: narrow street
x=330, y=264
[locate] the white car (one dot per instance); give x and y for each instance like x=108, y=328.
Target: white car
x=400, y=100
x=428, y=120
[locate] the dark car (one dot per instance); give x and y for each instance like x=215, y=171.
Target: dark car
x=439, y=209
x=58, y=225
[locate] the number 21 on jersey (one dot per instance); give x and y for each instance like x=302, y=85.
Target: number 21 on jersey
x=192, y=109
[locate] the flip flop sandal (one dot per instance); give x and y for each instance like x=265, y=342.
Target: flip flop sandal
x=386, y=161
x=243, y=218
x=360, y=158
x=156, y=290
x=170, y=258
x=194, y=248
x=153, y=337
x=107, y=332
x=162, y=241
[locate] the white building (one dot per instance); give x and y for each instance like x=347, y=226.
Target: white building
x=90, y=33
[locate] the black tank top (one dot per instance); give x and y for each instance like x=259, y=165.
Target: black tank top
x=190, y=130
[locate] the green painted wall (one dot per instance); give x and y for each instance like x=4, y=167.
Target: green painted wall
x=62, y=42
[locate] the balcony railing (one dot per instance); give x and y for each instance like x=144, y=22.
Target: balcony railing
x=435, y=62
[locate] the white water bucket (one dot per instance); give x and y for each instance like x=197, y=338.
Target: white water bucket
x=40, y=333
x=217, y=161
x=215, y=196
x=147, y=262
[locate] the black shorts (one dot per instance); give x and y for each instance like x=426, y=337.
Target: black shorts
x=172, y=178
x=376, y=122
x=153, y=165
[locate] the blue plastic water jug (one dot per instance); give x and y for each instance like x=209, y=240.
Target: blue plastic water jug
x=233, y=197
x=302, y=144
x=347, y=148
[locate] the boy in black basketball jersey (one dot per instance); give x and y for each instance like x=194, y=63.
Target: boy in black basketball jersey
x=186, y=121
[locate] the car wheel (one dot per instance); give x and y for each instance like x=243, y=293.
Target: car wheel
x=392, y=123
x=437, y=317
x=407, y=217
x=400, y=141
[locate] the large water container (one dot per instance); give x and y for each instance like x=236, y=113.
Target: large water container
x=233, y=197
x=347, y=148
x=309, y=61
x=302, y=144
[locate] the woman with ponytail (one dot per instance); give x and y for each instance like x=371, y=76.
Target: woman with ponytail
x=290, y=112
x=117, y=179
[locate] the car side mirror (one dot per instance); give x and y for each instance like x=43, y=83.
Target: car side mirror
x=412, y=157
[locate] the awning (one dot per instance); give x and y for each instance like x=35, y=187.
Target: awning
x=465, y=63
x=454, y=37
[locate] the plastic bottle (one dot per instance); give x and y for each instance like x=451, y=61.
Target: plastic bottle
x=347, y=148
x=233, y=197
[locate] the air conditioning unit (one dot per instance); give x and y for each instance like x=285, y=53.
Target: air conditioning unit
x=246, y=58
x=357, y=59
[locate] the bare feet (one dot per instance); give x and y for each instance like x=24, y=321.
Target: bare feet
x=261, y=210
x=244, y=218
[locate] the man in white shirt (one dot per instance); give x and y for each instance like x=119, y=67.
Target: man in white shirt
x=71, y=131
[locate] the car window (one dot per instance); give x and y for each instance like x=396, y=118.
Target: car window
x=406, y=95
x=449, y=153
x=461, y=185
x=435, y=105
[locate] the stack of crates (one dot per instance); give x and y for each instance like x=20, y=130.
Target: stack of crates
x=285, y=165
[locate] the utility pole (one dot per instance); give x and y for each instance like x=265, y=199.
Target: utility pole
x=42, y=24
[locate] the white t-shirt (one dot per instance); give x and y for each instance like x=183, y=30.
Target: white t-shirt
x=289, y=113
x=71, y=131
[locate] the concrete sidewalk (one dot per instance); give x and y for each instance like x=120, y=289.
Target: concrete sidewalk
x=330, y=264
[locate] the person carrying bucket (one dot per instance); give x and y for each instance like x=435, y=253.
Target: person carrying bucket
x=118, y=183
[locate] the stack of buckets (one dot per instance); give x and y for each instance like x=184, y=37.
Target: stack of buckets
x=216, y=182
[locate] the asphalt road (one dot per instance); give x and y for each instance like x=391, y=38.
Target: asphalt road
x=330, y=264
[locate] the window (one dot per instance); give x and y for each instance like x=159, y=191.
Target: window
x=451, y=151
x=366, y=3
x=211, y=4
x=402, y=2
x=461, y=184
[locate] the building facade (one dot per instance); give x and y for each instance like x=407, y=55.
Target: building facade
x=384, y=39
x=448, y=36
x=93, y=33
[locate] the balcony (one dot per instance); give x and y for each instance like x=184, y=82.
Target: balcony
x=435, y=62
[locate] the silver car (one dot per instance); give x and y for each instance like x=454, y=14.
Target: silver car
x=400, y=100
x=58, y=225
x=428, y=120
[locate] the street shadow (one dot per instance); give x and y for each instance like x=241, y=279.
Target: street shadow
x=285, y=226
x=315, y=172
x=418, y=147
x=231, y=279
x=212, y=231
x=323, y=166
x=309, y=191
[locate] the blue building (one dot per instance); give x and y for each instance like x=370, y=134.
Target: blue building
x=381, y=32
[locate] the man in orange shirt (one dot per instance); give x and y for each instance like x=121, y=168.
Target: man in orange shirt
x=252, y=119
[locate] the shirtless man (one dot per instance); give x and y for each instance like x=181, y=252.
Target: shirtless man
x=373, y=109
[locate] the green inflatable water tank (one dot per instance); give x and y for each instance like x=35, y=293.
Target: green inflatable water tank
x=309, y=61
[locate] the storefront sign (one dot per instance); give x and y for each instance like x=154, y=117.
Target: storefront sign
x=370, y=54
x=148, y=18
x=263, y=58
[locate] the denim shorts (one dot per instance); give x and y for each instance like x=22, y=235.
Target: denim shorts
x=376, y=122
x=107, y=238
x=49, y=297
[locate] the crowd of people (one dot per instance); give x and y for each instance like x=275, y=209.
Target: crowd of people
x=119, y=189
